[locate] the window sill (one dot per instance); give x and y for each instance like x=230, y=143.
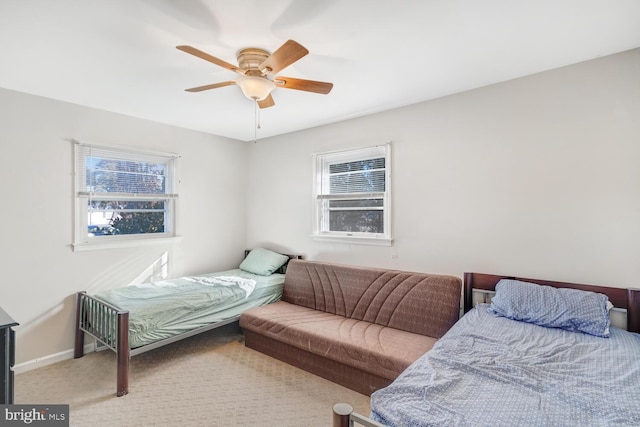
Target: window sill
x=124, y=243
x=359, y=240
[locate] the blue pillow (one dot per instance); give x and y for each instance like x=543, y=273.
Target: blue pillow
x=569, y=309
x=263, y=261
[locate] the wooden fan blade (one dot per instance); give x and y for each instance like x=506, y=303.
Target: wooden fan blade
x=286, y=55
x=203, y=55
x=267, y=102
x=211, y=86
x=301, y=84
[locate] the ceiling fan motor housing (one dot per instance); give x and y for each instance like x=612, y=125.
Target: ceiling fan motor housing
x=250, y=59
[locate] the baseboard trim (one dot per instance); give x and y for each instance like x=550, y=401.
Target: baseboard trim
x=40, y=362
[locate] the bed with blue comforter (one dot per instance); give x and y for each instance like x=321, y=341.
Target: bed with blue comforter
x=560, y=363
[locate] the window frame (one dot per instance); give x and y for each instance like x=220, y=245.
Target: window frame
x=322, y=195
x=82, y=195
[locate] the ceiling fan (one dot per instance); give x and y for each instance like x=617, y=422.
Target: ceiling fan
x=257, y=67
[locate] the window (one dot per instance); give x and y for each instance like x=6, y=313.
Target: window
x=352, y=195
x=123, y=194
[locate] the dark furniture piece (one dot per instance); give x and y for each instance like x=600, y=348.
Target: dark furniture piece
x=7, y=356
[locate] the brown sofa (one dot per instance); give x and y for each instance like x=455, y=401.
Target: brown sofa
x=359, y=327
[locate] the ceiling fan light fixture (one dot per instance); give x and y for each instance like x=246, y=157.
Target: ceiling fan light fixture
x=255, y=88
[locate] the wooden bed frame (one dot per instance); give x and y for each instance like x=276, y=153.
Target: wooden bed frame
x=109, y=325
x=622, y=298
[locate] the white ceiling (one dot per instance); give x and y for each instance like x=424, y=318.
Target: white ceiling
x=120, y=55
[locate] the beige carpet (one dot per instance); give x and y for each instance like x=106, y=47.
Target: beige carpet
x=208, y=380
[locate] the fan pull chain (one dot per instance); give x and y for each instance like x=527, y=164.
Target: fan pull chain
x=256, y=116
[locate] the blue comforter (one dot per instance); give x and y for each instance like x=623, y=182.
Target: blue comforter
x=493, y=371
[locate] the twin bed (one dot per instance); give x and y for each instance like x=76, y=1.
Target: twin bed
x=533, y=355
x=138, y=318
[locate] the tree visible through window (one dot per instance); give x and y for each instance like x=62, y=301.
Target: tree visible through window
x=121, y=192
x=352, y=193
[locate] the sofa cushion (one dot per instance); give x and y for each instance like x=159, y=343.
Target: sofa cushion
x=399, y=299
x=371, y=347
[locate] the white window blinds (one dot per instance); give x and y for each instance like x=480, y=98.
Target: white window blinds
x=123, y=192
x=352, y=193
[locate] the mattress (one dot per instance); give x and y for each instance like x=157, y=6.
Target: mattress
x=493, y=371
x=163, y=309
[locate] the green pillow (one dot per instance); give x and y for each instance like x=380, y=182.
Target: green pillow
x=263, y=261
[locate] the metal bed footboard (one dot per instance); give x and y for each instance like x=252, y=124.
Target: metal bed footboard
x=344, y=416
x=110, y=326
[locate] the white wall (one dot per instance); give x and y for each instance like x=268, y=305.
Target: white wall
x=538, y=177
x=40, y=271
